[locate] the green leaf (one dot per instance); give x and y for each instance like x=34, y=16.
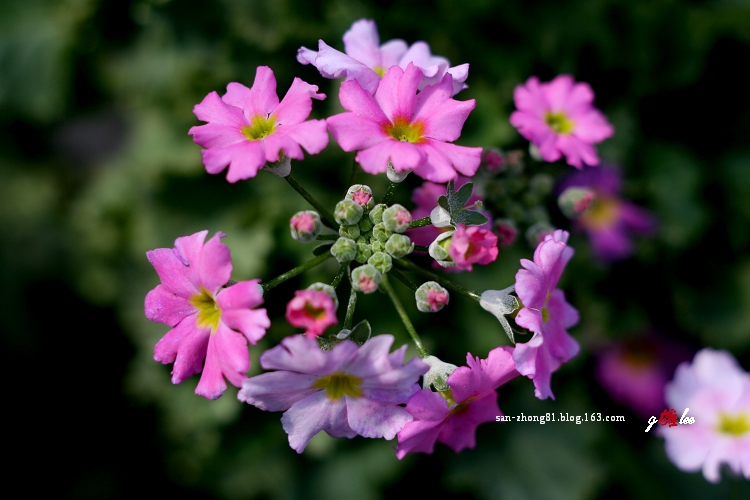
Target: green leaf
x=469, y=217
x=361, y=332
x=443, y=202
x=459, y=199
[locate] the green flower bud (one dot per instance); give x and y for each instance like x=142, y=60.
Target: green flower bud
x=376, y=214
x=382, y=262
x=327, y=289
x=347, y=212
x=536, y=232
x=367, y=235
x=366, y=278
x=399, y=245
x=365, y=224
x=344, y=250
x=361, y=195
x=396, y=218
x=305, y=226
x=377, y=246
x=364, y=251
x=351, y=232
x=575, y=200
x=439, y=249
x=541, y=184
x=431, y=297
x=380, y=233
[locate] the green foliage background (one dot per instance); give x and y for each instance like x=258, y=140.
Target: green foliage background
x=96, y=168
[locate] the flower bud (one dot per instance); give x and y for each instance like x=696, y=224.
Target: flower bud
x=515, y=161
x=305, y=226
x=347, y=212
x=351, y=232
x=440, y=217
x=361, y=195
x=324, y=287
x=536, y=232
x=493, y=160
x=394, y=176
x=365, y=224
x=280, y=168
x=364, y=251
x=376, y=214
x=439, y=249
x=344, y=250
x=506, y=231
x=575, y=200
x=365, y=278
x=399, y=245
x=377, y=246
x=380, y=233
x=431, y=297
x=382, y=262
x=396, y=218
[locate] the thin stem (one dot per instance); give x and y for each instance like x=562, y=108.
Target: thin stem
x=403, y=279
x=424, y=221
x=389, y=192
x=404, y=317
x=434, y=277
x=422, y=248
x=340, y=274
x=327, y=237
x=327, y=216
x=354, y=172
x=350, y=310
x=294, y=272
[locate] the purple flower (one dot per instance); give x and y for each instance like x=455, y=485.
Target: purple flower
x=346, y=391
x=546, y=313
x=209, y=321
x=559, y=118
x=717, y=392
x=367, y=61
x=452, y=416
x=610, y=221
x=412, y=131
x=249, y=127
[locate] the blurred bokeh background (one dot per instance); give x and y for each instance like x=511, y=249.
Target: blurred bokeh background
x=96, y=168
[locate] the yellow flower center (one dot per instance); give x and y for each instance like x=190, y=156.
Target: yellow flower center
x=558, y=122
x=403, y=130
x=734, y=425
x=379, y=70
x=545, y=314
x=340, y=384
x=601, y=214
x=314, y=312
x=260, y=127
x=209, y=312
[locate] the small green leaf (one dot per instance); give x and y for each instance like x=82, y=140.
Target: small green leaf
x=443, y=202
x=361, y=332
x=469, y=217
x=461, y=197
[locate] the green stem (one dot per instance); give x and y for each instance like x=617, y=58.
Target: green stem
x=422, y=248
x=350, y=310
x=354, y=172
x=327, y=237
x=294, y=272
x=403, y=279
x=434, y=277
x=389, y=192
x=327, y=216
x=340, y=274
x=404, y=317
x=424, y=221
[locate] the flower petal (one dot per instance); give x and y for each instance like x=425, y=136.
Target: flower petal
x=173, y=272
x=165, y=306
x=302, y=354
x=313, y=414
x=334, y=64
x=259, y=100
x=482, y=376
x=361, y=42
x=277, y=391
x=216, y=111
x=459, y=430
x=297, y=103
x=397, y=92
x=375, y=419
x=443, y=117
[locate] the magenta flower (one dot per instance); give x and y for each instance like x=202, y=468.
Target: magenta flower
x=717, y=392
x=546, y=313
x=453, y=419
x=472, y=245
x=346, y=391
x=209, y=321
x=559, y=118
x=367, y=61
x=313, y=310
x=412, y=131
x=249, y=127
x=610, y=221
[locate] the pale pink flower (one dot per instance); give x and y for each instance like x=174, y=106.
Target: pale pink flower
x=472, y=245
x=546, y=313
x=717, y=392
x=367, y=61
x=347, y=391
x=412, y=131
x=209, y=321
x=313, y=310
x=248, y=128
x=453, y=418
x=559, y=118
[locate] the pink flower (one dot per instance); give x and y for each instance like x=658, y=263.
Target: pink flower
x=546, y=313
x=412, y=131
x=248, y=127
x=209, y=321
x=346, y=391
x=313, y=310
x=717, y=392
x=559, y=118
x=367, y=61
x=453, y=419
x=472, y=245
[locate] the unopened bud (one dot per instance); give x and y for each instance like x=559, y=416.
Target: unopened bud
x=506, y=231
x=399, y=245
x=396, y=218
x=365, y=224
x=377, y=246
x=536, y=232
x=382, y=262
x=515, y=161
x=541, y=184
x=364, y=252
x=352, y=232
x=380, y=233
x=361, y=195
x=366, y=278
x=280, y=168
x=305, y=226
x=376, y=214
x=493, y=160
x=347, y=212
x=344, y=250
x=575, y=200
x=394, y=176
x=439, y=249
x=323, y=287
x=431, y=297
